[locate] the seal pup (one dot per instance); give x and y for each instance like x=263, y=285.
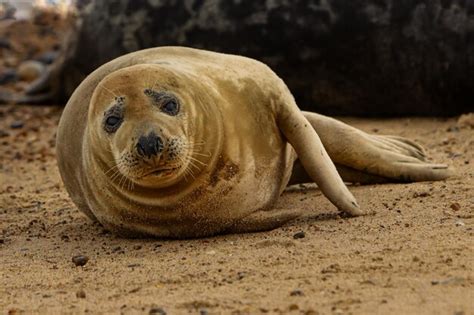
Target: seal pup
x=176, y=142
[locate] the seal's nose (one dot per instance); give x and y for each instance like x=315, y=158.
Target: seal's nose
x=149, y=145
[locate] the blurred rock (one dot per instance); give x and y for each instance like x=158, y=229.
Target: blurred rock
x=48, y=57
x=7, y=10
x=361, y=57
x=358, y=57
x=7, y=76
x=30, y=70
x=5, y=43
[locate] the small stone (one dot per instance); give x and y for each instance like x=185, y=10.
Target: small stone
x=80, y=260
x=135, y=290
x=137, y=247
x=300, y=234
x=460, y=223
x=455, y=206
x=421, y=194
x=30, y=70
x=81, y=294
x=293, y=307
x=240, y=275
x=17, y=124
x=133, y=265
x=296, y=292
x=157, y=311
x=48, y=57
x=5, y=43
x=203, y=312
x=8, y=76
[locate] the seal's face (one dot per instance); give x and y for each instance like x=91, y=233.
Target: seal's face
x=145, y=128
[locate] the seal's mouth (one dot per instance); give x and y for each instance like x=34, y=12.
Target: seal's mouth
x=163, y=171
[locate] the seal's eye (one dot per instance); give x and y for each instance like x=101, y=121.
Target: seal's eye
x=112, y=123
x=170, y=107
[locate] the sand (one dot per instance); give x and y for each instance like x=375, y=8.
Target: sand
x=413, y=255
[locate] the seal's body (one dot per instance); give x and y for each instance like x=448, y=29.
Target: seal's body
x=178, y=142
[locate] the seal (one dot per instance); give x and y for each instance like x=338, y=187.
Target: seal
x=176, y=142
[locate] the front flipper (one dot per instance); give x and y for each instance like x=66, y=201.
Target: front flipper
x=315, y=160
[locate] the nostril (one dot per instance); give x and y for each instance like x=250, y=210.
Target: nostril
x=141, y=147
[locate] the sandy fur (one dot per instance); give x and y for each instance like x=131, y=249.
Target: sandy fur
x=245, y=116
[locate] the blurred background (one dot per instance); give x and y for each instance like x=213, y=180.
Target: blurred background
x=361, y=57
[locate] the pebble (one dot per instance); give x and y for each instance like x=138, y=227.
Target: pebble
x=30, y=70
x=17, y=124
x=8, y=76
x=300, y=234
x=80, y=260
x=3, y=133
x=81, y=294
x=296, y=292
x=455, y=206
x=5, y=43
x=460, y=223
x=240, y=275
x=48, y=57
x=157, y=311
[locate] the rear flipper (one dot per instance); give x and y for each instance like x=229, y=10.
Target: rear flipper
x=365, y=158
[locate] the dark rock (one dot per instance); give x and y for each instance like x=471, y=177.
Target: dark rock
x=157, y=311
x=80, y=260
x=300, y=234
x=5, y=43
x=48, y=57
x=455, y=206
x=359, y=57
x=7, y=11
x=7, y=76
x=296, y=292
x=81, y=294
x=17, y=124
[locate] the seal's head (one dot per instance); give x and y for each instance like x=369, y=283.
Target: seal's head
x=148, y=124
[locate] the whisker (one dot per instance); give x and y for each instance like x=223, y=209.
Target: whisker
x=198, y=161
x=202, y=154
x=106, y=89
